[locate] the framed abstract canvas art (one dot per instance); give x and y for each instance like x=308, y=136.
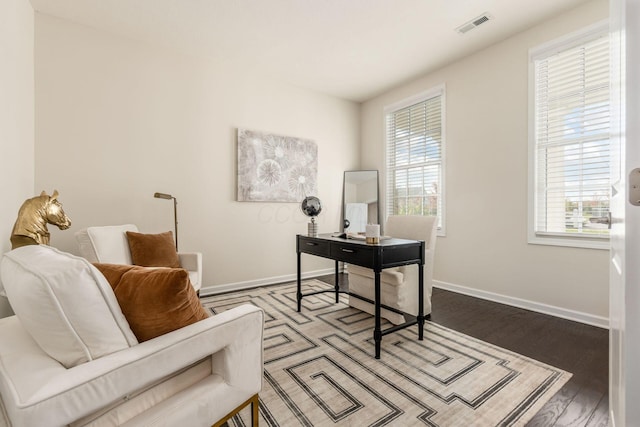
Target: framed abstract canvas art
x=275, y=168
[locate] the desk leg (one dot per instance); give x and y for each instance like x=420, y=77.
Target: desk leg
x=377, y=332
x=337, y=279
x=420, y=302
x=299, y=293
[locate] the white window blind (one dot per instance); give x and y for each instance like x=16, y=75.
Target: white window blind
x=571, y=139
x=415, y=157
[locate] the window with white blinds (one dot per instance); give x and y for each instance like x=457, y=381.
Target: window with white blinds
x=570, y=146
x=414, y=156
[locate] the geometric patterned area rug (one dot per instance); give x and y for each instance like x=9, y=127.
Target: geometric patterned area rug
x=320, y=369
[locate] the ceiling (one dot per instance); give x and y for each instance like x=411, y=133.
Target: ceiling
x=351, y=49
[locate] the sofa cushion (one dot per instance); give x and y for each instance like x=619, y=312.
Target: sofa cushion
x=105, y=243
x=154, y=300
x=65, y=304
x=153, y=250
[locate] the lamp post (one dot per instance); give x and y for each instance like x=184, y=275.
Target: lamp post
x=175, y=211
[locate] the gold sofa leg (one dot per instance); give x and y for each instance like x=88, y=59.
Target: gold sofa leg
x=255, y=404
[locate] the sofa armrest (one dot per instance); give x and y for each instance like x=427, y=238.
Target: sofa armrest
x=233, y=339
x=192, y=261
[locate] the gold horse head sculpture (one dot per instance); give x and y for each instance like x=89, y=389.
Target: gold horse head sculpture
x=34, y=215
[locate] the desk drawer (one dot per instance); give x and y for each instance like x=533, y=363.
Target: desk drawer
x=314, y=247
x=399, y=255
x=354, y=254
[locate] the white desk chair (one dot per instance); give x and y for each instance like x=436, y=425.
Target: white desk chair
x=399, y=285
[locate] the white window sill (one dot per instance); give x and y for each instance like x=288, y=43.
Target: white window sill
x=601, y=243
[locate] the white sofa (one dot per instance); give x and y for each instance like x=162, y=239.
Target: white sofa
x=399, y=285
x=108, y=244
x=68, y=357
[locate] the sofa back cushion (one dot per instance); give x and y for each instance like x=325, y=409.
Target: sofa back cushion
x=65, y=304
x=107, y=244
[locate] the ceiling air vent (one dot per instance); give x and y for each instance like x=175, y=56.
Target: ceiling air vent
x=464, y=28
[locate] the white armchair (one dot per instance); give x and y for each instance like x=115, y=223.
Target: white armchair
x=68, y=357
x=398, y=286
x=108, y=244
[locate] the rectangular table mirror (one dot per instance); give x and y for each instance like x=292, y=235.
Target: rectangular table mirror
x=360, y=200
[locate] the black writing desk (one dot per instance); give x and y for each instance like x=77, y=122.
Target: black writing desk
x=388, y=253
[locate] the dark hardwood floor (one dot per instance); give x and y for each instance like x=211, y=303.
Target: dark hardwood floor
x=580, y=349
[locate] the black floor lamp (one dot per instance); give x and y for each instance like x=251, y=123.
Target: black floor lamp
x=175, y=211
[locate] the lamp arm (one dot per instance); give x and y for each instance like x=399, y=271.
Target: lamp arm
x=175, y=219
x=175, y=212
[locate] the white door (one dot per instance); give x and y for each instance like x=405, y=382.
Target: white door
x=624, y=298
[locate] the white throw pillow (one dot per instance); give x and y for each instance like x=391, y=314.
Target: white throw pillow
x=65, y=303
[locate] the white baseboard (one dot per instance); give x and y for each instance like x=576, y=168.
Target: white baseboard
x=577, y=316
x=238, y=286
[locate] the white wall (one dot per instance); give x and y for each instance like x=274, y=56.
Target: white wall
x=485, y=250
x=16, y=116
x=118, y=120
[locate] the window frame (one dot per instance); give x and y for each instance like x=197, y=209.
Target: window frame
x=439, y=90
x=550, y=48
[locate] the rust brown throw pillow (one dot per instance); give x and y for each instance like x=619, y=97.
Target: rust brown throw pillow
x=154, y=301
x=153, y=250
